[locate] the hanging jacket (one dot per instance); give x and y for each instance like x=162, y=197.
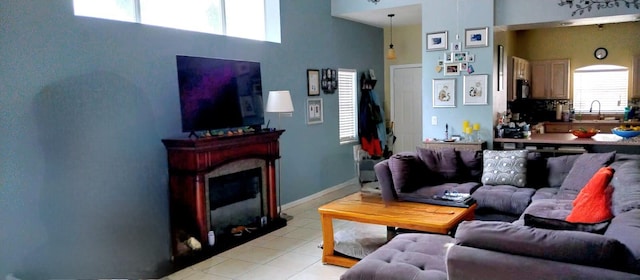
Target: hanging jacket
x=371, y=124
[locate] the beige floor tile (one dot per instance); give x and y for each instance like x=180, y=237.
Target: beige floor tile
x=304, y=234
x=181, y=274
x=299, y=261
x=300, y=222
x=258, y=255
x=266, y=272
x=283, y=243
x=198, y=275
x=231, y=268
x=281, y=231
x=208, y=263
x=310, y=248
x=321, y=271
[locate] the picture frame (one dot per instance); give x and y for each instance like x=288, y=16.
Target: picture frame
x=451, y=69
x=456, y=46
x=459, y=56
x=501, y=63
x=315, y=114
x=444, y=93
x=437, y=41
x=475, y=90
x=476, y=37
x=471, y=58
x=313, y=82
x=447, y=57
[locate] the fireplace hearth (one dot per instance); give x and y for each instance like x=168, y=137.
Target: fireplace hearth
x=219, y=184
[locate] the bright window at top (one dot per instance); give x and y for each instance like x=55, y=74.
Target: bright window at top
x=608, y=84
x=250, y=19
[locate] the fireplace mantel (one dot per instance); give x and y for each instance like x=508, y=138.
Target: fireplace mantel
x=189, y=160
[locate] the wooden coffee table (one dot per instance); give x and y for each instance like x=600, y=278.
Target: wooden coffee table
x=369, y=208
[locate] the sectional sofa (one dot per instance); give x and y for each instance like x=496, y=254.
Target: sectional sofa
x=563, y=217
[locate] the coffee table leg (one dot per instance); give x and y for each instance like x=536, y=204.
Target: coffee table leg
x=327, y=237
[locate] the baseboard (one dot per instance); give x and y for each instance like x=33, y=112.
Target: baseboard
x=335, y=188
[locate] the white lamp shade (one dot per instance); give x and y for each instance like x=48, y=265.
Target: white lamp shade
x=279, y=102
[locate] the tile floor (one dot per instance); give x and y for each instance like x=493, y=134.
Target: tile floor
x=288, y=253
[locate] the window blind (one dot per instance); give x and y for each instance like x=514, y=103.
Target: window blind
x=607, y=84
x=347, y=106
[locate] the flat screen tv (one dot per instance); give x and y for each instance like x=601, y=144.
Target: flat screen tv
x=219, y=93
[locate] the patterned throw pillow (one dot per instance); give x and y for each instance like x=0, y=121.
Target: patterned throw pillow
x=505, y=168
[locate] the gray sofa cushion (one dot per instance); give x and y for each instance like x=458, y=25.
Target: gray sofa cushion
x=549, y=208
x=406, y=172
x=442, y=162
x=626, y=185
x=503, y=198
x=407, y=256
x=565, y=246
x=470, y=165
x=505, y=167
x=544, y=193
x=558, y=169
x=581, y=172
x=626, y=229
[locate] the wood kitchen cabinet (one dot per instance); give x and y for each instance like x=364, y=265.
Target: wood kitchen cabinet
x=520, y=69
x=635, y=76
x=550, y=79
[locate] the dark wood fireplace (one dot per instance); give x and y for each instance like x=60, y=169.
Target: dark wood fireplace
x=192, y=165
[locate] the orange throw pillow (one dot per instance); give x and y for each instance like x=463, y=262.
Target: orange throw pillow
x=593, y=203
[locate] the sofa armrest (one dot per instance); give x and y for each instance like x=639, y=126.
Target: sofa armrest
x=555, y=245
x=383, y=173
x=475, y=263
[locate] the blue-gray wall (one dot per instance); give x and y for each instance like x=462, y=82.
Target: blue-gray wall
x=84, y=104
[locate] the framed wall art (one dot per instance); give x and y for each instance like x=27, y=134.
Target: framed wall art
x=437, y=41
x=476, y=37
x=475, y=90
x=314, y=111
x=444, y=92
x=313, y=82
x=451, y=69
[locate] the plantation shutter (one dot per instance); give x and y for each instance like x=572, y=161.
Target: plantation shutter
x=605, y=83
x=347, y=105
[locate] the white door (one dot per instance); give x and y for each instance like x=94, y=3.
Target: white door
x=406, y=107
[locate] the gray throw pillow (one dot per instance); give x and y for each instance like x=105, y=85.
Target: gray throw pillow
x=583, y=169
x=505, y=168
x=443, y=162
x=559, y=168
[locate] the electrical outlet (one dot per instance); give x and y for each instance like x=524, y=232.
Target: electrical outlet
x=434, y=120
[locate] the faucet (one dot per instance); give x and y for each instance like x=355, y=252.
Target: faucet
x=599, y=106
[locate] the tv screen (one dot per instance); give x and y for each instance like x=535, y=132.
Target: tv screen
x=219, y=93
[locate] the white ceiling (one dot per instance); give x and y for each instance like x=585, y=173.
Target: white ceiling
x=412, y=15
x=406, y=15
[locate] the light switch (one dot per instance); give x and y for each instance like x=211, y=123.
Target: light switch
x=434, y=120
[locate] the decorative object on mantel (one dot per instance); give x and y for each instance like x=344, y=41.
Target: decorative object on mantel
x=329, y=80
x=588, y=5
x=391, y=53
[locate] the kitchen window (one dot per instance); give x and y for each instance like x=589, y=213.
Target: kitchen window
x=250, y=19
x=608, y=84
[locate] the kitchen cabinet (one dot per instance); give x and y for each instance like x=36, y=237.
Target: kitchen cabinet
x=635, y=76
x=557, y=127
x=550, y=79
x=520, y=69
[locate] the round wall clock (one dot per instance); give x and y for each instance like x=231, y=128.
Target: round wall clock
x=600, y=53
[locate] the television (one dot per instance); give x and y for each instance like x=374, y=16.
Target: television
x=219, y=93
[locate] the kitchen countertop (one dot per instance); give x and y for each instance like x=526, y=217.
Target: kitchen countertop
x=570, y=139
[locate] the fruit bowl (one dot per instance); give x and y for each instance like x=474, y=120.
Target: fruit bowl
x=584, y=133
x=625, y=133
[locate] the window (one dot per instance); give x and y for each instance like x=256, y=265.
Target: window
x=347, y=106
x=607, y=84
x=251, y=19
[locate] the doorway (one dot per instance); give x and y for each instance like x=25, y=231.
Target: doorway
x=406, y=106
